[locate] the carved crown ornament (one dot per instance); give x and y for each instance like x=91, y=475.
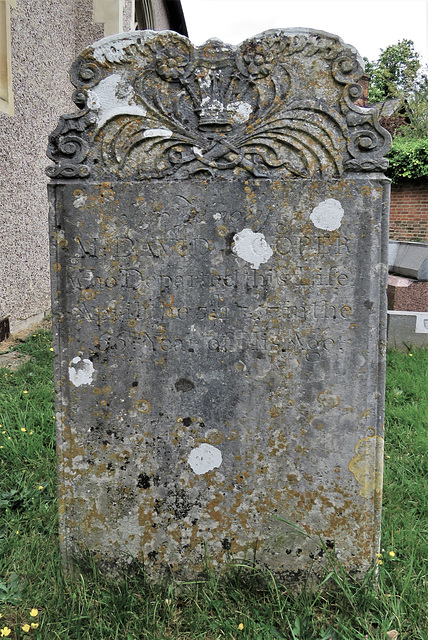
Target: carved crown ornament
x=281, y=104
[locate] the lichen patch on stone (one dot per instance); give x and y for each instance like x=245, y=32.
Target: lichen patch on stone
x=252, y=247
x=328, y=215
x=155, y=133
x=112, y=97
x=367, y=466
x=80, y=371
x=79, y=201
x=204, y=458
x=240, y=111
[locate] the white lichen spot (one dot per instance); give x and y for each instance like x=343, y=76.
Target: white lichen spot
x=328, y=215
x=157, y=133
x=112, y=49
x=205, y=81
x=210, y=106
x=111, y=97
x=93, y=101
x=252, y=247
x=80, y=371
x=204, y=458
x=197, y=151
x=217, y=216
x=80, y=201
x=240, y=111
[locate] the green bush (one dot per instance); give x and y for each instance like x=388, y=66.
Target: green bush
x=408, y=159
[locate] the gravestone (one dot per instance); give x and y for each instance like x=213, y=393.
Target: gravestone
x=218, y=221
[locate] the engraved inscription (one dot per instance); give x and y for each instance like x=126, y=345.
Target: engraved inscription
x=196, y=280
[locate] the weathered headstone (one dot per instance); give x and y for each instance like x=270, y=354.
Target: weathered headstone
x=218, y=222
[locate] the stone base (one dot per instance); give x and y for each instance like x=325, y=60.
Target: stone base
x=407, y=329
x=22, y=324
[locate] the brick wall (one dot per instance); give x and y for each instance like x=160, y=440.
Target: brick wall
x=409, y=211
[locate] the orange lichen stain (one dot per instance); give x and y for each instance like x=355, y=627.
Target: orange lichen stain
x=237, y=502
x=101, y=470
x=242, y=517
x=213, y=508
x=71, y=448
x=307, y=230
x=303, y=450
x=327, y=399
x=93, y=520
x=367, y=466
x=88, y=294
x=142, y=406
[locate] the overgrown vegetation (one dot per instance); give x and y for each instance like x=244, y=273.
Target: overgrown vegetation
x=408, y=159
x=37, y=601
x=398, y=73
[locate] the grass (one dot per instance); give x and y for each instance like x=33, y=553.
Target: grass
x=247, y=604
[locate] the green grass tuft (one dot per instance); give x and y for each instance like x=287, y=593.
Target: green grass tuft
x=245, y=601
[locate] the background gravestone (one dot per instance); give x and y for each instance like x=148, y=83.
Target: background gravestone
x=218, y=223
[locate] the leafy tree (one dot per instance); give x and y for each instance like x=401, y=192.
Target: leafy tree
x=395, y=73
x=398, y=73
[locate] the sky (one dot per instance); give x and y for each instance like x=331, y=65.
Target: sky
x=368, y=25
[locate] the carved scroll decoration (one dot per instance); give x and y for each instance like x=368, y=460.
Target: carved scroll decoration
x=281, y=104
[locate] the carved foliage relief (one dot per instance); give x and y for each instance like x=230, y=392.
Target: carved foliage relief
x=281, y=104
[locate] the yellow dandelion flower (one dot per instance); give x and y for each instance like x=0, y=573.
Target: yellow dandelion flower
x=1, y=446
x=31, y=433
x=26, y=628
x=240, y=626
x=9, y=438
x=5, y=632
x=410, y=354
x=1, y=615
x=40, y=487
x=34, y=625
x=25, y=392
x=23, y=429
x=378, y=555
x=392, y=554
x=34, y=613
x=3, y=432
x=380, y=561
